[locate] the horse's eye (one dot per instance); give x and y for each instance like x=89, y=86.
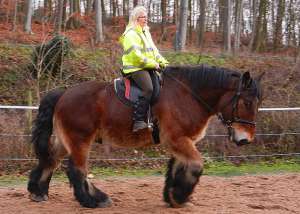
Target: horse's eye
x=247, y=103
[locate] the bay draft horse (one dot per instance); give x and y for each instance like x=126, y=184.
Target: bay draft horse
x=190, y=96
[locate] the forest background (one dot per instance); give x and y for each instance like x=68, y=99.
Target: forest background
x=45, y=44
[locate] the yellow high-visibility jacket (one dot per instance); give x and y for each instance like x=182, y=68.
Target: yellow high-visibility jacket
x=139, y=50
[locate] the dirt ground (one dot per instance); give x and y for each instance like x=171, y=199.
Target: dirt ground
x=240, y=194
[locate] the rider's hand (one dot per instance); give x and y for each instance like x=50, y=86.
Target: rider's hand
x=162, y=65
x=157, y=67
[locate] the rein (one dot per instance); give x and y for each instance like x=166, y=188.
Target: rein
x=234, y=100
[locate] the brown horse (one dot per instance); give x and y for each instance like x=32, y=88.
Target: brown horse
x=190, y=96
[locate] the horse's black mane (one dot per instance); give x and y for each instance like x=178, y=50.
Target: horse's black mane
x=203, y=76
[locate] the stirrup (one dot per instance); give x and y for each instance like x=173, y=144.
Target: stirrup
x=139, y=125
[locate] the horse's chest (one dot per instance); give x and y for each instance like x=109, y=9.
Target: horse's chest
x=202, y=132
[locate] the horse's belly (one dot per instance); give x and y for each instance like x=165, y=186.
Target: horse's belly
x=124, y=140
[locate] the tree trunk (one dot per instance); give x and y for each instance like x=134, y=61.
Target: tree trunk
x=202, y=23
x=238, y=22
x=182, y=28
x=254, y=23
x=89, y=7
x=99, y=27
x=260, y=36
x=135, y=2
x=27, y=26
x=227, y=26
x=73, y=22
x=114, y=8
x=290, y=25
x=103, y=10
x=125, y=8
x=163, y=19
x=14, y=23
x=48, y=8
x=221, y=15
x=175, y=13
x=278, y=26
x=190, y=25
x=59, y=20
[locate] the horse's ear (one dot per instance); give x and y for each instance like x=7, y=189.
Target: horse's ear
x=259, y=77
x=246, y=79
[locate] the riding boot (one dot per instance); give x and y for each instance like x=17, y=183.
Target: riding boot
x=139, y=114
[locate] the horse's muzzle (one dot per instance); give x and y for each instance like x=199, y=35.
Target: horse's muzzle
x=242, y=142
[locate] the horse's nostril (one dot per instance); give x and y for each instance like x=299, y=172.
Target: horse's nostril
x=242, y=142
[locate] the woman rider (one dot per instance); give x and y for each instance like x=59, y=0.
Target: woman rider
x=140, y=56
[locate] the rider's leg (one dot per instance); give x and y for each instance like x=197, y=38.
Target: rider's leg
x=143, y=80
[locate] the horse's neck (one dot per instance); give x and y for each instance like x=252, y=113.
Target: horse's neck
x=211, y=97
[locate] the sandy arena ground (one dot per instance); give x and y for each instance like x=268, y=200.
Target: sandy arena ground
x=242, y=194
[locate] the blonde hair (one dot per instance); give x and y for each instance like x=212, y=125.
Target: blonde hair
x=134, y=15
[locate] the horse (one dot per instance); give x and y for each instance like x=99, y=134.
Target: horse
x=190, y=96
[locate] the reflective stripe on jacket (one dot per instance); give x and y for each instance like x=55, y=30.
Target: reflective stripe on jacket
x=139, y=50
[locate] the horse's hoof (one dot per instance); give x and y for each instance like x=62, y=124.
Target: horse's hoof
x=173, y=203
x=106, y=203
x=38, y=198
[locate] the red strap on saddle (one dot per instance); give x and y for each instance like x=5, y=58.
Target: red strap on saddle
x=127, y=88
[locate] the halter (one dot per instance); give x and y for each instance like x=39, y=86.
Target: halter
x=234, y=101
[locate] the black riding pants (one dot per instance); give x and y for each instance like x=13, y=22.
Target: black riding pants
x=143, y=80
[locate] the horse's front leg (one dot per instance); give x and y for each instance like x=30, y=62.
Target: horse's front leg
x=184, y=170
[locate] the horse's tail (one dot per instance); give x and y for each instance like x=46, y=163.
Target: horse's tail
x=43, y=125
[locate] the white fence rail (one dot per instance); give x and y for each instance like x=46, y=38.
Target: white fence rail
x=265, y=109
x=260, y=109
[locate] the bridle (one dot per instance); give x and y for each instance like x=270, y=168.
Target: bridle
x=233, y=101
x=234, y=117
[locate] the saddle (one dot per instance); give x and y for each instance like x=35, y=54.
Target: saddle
x=128, y=93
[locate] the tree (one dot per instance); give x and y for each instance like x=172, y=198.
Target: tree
x=291, y=25
x=27, y=26
x=278, y=26
x=180, y=37
x=73, y=22
x=114, y=8
x=47, y=8
x=14, y=25
x=59, y=19
x=260, y=34
x=99, y=27
x=89, y=7
x=221, y=15
x=201, y=23
x=175, y=11
x=227, y=26
x=163, y=19
x=125, y=8
x=254, y=23
x=238, y=22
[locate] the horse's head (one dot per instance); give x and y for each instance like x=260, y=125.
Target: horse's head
x=238, y=108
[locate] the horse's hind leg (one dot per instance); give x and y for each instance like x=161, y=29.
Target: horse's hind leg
x=184, y=170
x=85, y=192
x=40, y=176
